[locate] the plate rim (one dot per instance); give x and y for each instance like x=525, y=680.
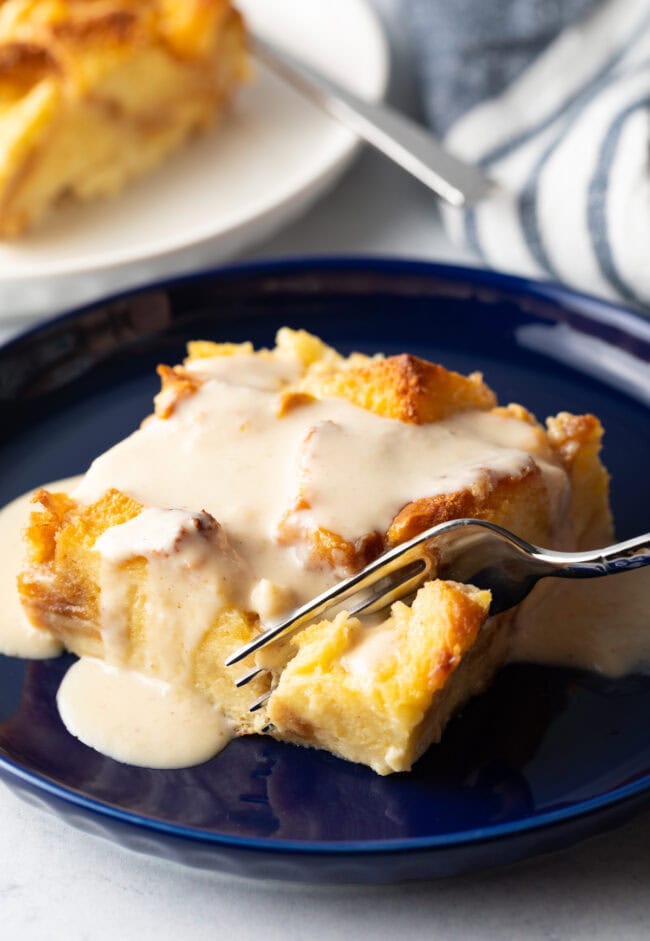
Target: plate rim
x=600, y=309
x=497, y=832
x=627, y=319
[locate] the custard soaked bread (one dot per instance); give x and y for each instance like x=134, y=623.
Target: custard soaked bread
x=260, y=480
x=380, y=695
x=96, y=92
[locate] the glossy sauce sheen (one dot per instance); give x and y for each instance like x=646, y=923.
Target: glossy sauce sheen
x=174, y=726
x=192, y=574
x=216, y=479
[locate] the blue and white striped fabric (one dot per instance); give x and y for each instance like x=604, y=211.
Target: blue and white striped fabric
x=562, y=124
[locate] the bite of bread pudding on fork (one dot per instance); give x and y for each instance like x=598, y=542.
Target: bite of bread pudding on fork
x=261, y=479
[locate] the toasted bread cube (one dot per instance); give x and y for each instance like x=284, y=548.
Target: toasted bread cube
x=404, y=387
x=206, y=349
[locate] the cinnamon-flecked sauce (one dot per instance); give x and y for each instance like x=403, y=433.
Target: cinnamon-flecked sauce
x=224, y=455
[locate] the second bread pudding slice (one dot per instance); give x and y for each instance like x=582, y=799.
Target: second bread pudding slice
x=96, y=92
x=261, y=479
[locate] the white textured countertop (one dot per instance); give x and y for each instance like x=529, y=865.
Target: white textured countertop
x=58, y=883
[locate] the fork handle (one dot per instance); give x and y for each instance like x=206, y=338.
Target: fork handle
x=402, y=140
x=621, y=557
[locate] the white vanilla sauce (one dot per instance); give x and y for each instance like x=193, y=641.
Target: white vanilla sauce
x=120, y=713
x=600, y=624
x=192, y=574
x=224, y=450
x=138, y=719
x=369, y=651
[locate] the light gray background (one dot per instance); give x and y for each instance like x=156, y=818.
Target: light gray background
x=58, y=883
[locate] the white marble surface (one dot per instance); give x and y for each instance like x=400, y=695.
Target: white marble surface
x=58, y=883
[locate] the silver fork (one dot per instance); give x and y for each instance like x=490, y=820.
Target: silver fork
x=399, y=138
x=472, y=551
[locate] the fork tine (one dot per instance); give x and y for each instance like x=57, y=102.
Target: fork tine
x=421, y=547
x=365, y=601
x=261, y=701
x=371, y=580
x=247, y=677
x=378, y=595
x=506, y=564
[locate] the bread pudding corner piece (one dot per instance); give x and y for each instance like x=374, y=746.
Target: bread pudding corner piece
x=381, y=695
x=59, y=588
x=96, y=92
x=172, y=638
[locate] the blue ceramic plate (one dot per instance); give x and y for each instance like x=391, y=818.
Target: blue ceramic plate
x=545, y=758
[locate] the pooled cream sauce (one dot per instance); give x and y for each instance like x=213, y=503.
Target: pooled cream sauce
x=598, y=624
x=138, y=719
x=216, y=480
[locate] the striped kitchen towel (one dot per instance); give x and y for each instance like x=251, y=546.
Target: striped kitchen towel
x=553, y=100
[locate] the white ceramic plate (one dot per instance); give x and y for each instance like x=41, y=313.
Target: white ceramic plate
x=271, y=157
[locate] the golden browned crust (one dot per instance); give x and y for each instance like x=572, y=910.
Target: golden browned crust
x=409, y=389
x=110, y=27
x=63, y=30
x=321, y=547
x=177, y=384
x=517, y=502
x=572, y=435
x=404, y=387
x=60, y=592
x=23, y=64
x=578, y=441
x=60, y=588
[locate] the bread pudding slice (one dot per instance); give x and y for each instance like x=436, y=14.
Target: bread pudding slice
x=96, y=92
x=263, y=477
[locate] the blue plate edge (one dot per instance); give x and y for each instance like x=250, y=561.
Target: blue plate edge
x=617, y=315
x=625, y=318
x=472, y=837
